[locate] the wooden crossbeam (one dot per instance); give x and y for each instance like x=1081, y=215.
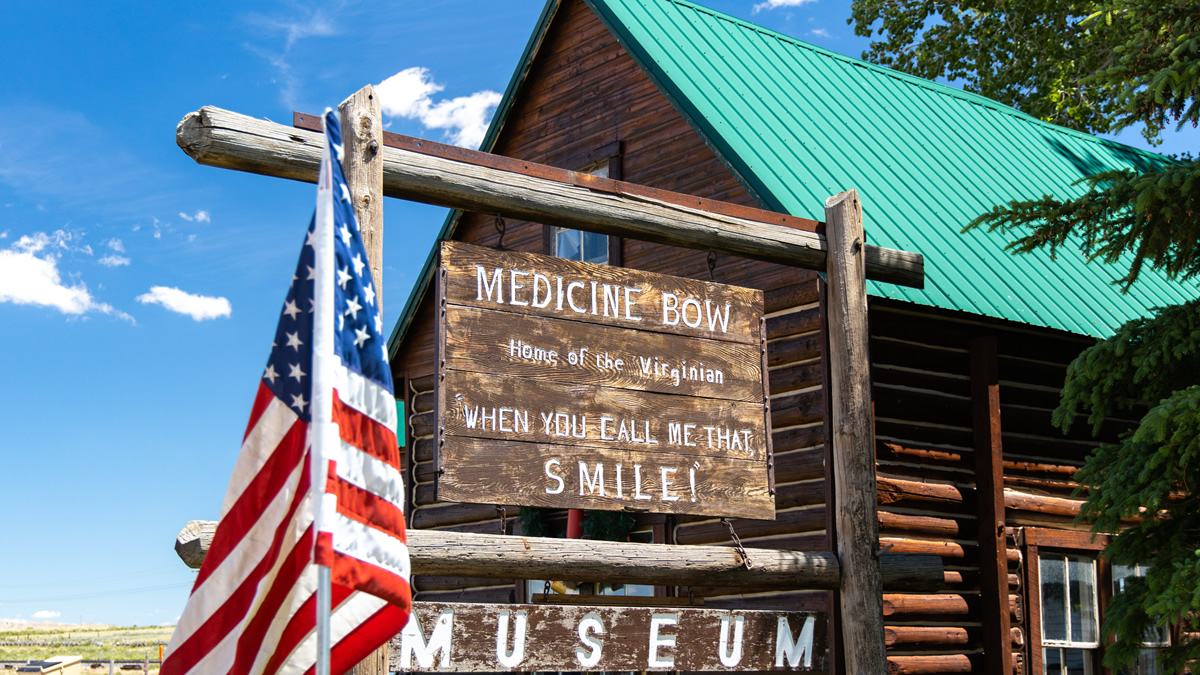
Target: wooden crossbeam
x=494, y=556
x=469, y=181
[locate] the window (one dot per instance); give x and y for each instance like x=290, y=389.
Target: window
x=1155, y=638
x=1070, y=620
x=579, y=245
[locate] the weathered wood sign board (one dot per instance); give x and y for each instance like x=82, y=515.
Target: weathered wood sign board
x=573, y=385
x=462, y=637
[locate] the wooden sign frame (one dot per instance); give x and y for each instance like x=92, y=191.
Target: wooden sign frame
x=663, y=381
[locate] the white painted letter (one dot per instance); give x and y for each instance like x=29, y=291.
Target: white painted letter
x=802, y=647
x=559, y=489
x=481, y=284
x=670, y=308
x=657, y=621
x=514, y=286
x=412, y=642
x=592, y=623
x=571, y=298
x=591, y=481
x=538, y=276
x=729, y=659
x=517, y=655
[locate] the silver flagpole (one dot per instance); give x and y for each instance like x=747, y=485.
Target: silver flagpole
x=324, y=591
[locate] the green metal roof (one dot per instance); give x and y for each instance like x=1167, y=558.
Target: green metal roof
x=797, y=123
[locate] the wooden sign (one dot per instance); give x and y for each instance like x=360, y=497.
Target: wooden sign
x=573, y=385
x=462, y=637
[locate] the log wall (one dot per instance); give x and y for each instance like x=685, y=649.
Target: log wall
x=926, y=468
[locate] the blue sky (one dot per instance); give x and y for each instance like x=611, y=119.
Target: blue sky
x=139, y=291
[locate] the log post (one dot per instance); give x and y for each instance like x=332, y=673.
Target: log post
x=861, y=591
x=989, y=488
x=362, y=162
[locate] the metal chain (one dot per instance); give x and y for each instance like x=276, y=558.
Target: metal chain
x=712, y=265
x=546, y=589
x=503, y=519
x=737, y=544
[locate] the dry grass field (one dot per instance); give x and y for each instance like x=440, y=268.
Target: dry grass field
x=37, y=640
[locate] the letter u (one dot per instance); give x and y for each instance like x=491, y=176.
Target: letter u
x=510, y=659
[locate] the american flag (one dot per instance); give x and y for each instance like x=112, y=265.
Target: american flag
x=318, y=479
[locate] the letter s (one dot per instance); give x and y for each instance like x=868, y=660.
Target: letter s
x=561, y=485
x=592, y=623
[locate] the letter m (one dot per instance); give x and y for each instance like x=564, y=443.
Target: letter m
x=483, y=285
x=412, y=642
x=591, y=482
x=802, y=648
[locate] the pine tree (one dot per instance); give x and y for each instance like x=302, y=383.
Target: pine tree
x=1102, y=67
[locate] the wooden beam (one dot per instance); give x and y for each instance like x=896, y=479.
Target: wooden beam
x=362, y=162
x=853, y=440
x=226, y=139
x=989, y=505
x=494, y=556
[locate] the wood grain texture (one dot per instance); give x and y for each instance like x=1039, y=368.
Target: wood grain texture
x=470, y=273
x=524, y=409
x=493, y=556
x=543, y=637
x=723, y=486
x=362, y=161
x=852, y=439
x=224, y=139
x=488, y=341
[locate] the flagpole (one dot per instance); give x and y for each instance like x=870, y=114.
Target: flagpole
x=324, y=432
x=324, y=591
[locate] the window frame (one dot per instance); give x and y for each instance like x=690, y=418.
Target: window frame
x=610, y=155
x=1060, y=542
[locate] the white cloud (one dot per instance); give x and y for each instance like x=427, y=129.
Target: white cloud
x=116, y=245
x=198, y=217
x=776, y=4
x=29, y=279
x=820, y=32
x=316, y=25
x=409, y=93
x=46, y=614
x=4, y=234
x=199, y=307
x=114, y=260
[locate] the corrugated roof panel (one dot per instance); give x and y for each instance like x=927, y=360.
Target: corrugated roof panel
x=798, y=123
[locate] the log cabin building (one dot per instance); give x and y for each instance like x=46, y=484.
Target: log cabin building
x=965, y=371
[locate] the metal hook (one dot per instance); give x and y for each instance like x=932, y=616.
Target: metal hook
x=501, y=227
x=712, y=265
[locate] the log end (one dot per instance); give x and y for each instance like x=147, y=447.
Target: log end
x=194, y=540
x=191, y=134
